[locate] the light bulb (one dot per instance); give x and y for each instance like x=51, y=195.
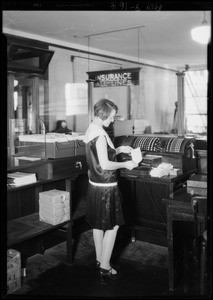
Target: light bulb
x=201, y=34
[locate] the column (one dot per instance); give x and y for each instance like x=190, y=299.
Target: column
x=10, y=115
x=90, y=100
x=181, y=104
x=35, y=104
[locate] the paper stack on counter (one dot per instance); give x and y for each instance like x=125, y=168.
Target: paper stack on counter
x=29, y=158
x=20, y=178
x=162, y=170
x=136, y=155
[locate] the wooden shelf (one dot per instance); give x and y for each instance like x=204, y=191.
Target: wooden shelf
x=27, y=227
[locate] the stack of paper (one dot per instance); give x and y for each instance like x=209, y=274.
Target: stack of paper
x=29, y=158
x=162, y=170
x=49, y=138
x=136, y=155
x=152, y=160
x=20, y=178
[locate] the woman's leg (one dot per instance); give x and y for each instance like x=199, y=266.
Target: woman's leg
x=108, y=244
x=98, y=236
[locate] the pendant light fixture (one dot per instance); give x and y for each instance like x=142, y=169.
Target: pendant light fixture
x=201, y=34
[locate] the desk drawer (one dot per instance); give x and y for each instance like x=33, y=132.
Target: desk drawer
x=69, y=167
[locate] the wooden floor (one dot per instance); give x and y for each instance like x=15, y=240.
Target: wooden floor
x=143, y=268
x=82, y=272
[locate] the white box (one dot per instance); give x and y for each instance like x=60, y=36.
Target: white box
x=54, y=206
x=197, y=191
x=123, y=127
x=140, y=126
x=174, y=172
x=13, y=270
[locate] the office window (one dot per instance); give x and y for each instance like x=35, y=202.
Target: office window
x=76, y=98
x=196, y=102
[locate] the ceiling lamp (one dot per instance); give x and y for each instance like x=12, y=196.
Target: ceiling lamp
x=201, y=34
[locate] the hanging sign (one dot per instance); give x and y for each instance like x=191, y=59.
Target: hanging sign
x=119, y=77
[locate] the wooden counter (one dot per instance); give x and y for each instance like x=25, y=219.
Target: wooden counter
x=51, y=174
x=51, y=168
x=25, y=232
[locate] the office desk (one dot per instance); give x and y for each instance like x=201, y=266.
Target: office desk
x=180, y=208
x=143, y=208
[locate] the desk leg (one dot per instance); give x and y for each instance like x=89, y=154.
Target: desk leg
x=171, y=266
x=170, y=251
x=23, y=266
x=38, y=189
x=69, y=244
x=203, y=287
x=133, y=213
x=69, y=229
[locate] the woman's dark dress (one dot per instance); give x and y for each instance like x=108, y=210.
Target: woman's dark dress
x=104, y=203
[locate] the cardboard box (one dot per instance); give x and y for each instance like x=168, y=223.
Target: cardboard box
x=13, y=270
x=198, y=181
x=50, y=146
x=197, y=185
x=60, y=149
x=124, y=127
x=54, y=206
x=80, y=148
x=202, y=161
x=174, y=172
x=197, y=191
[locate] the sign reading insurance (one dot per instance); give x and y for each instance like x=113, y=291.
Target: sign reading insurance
x=119, y=77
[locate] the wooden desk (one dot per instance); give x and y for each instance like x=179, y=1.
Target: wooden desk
x=180, y=208
x=143, y=208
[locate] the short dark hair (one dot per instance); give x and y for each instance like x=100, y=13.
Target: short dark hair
x=103, y=108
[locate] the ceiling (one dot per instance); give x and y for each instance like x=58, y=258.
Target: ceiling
x=164, y=37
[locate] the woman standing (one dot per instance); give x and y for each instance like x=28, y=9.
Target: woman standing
x=104, y=212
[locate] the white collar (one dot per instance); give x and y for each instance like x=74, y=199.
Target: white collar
x=94, y=131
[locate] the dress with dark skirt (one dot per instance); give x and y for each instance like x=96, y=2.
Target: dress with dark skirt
x=104, y=209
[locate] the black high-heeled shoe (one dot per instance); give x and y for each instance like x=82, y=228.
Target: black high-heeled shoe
x=107, y=274
x=97, y=266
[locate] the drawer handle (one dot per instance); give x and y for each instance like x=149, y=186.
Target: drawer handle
x=78, y=165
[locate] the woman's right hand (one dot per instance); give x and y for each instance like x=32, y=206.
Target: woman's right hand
x=130, y=164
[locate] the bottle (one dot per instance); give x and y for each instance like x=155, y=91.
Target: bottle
x=192, y=150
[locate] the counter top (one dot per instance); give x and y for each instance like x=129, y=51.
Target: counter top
x=13, y=164
x=131, y=175
x=46, y=169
